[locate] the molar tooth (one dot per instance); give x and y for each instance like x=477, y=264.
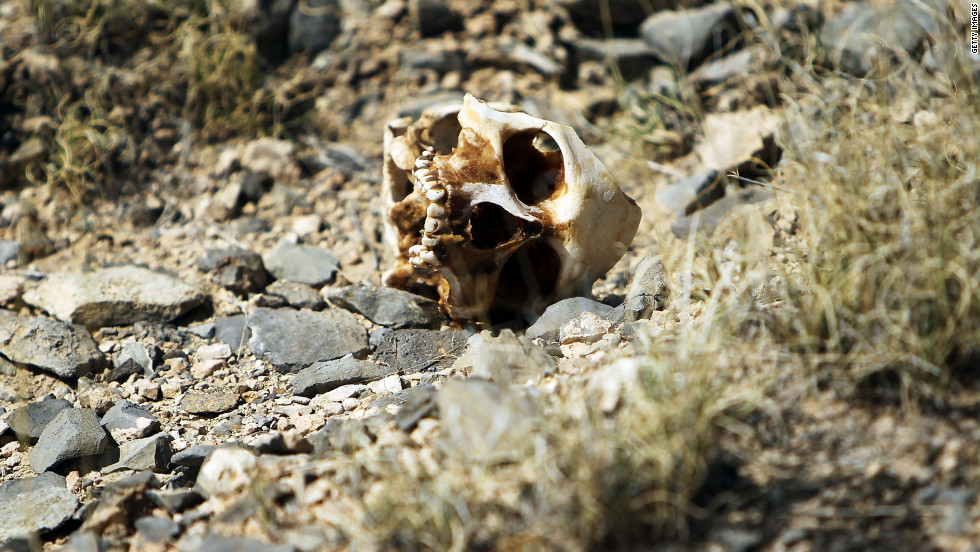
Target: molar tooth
x=435, y=211
x=433, y=226
x=437, y=194
x=430, y=258
x=429, y=241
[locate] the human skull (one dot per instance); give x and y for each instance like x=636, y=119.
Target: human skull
x=501, y=212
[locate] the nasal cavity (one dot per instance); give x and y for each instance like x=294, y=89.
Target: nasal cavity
x=534, y=166
x=491, y=225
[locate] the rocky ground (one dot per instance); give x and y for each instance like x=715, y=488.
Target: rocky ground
x=197, y=353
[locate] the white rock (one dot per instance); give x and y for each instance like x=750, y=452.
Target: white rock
x=226, y=470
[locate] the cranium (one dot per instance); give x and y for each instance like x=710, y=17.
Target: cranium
x=501, y=212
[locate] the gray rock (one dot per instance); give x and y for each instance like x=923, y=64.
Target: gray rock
x=29, y=421
x=420, y=402
x=204, y=330
x=209, y=402
x=634, y=57
x=85, y=541
x=862, y=37
x=726, y=68
x=232, y=331
x=9, y=251
x=217, y=543
x=482, y=421
x=66, y=351
x=34, y=504
x=548, y=326
x=412, y=350
x=300, y=296
x=707, y=219
x=433, y=17
x=133, y=358
x=321, y=377
x=313, y=26
x=192, y=456
x=293, y=339
x=156, y=529
x=389, y=307
x=175, y=500
x=648, y=291
x=302, y=264
x=116, y=296
x=235, y=269
x=74, y=433
x=506, y=359
x=127, y=421
x=685, y=38
x=149, y=453
x=688, y=194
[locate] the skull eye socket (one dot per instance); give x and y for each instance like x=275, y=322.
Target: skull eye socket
x=535, y=170
x=490, y=226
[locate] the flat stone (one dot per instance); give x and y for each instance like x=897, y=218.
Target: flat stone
x=34, y=504
x=236, y=269
x=192, y=456
x=127, y=421
x=291, y=340
x=66, y=351
x=74, y=433
x=302, y=264
x=28, y=421
x=209, y=402
x=389, y=307
x=149, y=453
x=484, y=422
x=648, y=290
x=506, y=358
x=548, y=325
x=414, y=350
x=300, y=296
x=156, y=529
x=343, y=392
x=321, y=377
x=116, y=296
x=685, y=38
x=215, y=351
